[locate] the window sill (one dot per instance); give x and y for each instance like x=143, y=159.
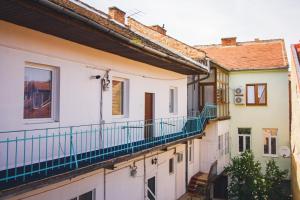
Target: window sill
x=271, y=155
x=37, y=121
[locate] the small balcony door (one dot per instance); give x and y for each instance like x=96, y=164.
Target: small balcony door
x=149, y=112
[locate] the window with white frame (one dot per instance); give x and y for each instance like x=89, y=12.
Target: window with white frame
x=244, y=135
x=270, y=141
x=86, y=196
x=40, y=93
x=191, y=150
x=119, y=96
x=172, y=99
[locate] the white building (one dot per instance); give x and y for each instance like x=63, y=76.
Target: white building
x=90, y=109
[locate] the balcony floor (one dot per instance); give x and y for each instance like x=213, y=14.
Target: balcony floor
x=42, y=170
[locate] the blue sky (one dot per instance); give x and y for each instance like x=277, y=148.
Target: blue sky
x=207, y=21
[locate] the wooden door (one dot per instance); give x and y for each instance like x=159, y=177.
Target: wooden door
x=148, y=130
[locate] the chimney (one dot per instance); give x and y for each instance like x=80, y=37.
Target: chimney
x=117, y=14
x=229, y=41
x=159, y=29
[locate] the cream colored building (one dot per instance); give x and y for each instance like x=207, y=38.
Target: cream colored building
x=295, y=125
x=258, y=95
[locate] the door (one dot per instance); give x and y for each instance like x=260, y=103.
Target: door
x=148, y=129
x=151, y=192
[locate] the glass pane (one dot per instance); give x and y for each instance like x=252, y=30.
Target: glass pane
x=241, y=143
x=261, y=94
x=247, y=142
x=250, y=95
x=171, y=100
x=37, y=93
x=266, y=146
x=117, y=97
x=86, y=196
x=209, y=94
x=171, y=165
x=246, y=131
x=151, y=185
x=273, y=145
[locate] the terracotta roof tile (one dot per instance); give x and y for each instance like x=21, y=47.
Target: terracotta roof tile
x=261, y=54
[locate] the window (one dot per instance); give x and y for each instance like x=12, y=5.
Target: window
x=86, y=196
x=119, y=97
x=220, y=146
x=226, y=142
x=40, y=92
x=244, y=139
x=171, y=166
x=256, y=94
x=191, y=150
x=270, y=141
x=179, y=157
x=172, y=100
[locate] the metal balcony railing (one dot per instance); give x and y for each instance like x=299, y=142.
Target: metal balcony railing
x=33, y=154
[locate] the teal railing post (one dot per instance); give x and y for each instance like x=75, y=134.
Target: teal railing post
x=72, y=149
x=127, y=138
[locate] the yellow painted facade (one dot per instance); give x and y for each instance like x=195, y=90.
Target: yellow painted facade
x=295, y=130
x=273, y=115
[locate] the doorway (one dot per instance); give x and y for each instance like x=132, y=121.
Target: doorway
x=149, y=113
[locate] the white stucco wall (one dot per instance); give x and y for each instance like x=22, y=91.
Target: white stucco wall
x=274, y=115
x=79, y=96
x=118, y=184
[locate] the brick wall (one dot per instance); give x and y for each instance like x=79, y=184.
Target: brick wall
x=165, y=39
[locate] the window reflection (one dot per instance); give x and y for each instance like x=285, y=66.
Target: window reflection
x=37, y=93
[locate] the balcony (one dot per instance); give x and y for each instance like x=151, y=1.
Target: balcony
x=30, y=155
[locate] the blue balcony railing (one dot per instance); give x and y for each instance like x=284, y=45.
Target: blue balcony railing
x=33, y=154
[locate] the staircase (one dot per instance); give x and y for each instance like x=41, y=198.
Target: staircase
x=201, y=182
x=198, y=183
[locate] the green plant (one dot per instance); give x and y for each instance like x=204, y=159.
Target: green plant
x=247, y=182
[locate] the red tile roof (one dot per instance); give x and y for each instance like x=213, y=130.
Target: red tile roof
x=255, y=55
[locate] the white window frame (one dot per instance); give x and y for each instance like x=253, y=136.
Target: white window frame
x=191, y=151
x=269, y=154
x=175, y=101
x=125, y=97
x=54, y=93
x=244, y=141
x=93, y=195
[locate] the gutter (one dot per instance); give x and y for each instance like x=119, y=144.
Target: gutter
x=79, y=17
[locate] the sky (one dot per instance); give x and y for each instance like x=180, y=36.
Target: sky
x=207, y=21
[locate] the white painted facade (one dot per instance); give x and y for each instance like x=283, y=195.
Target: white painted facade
x=79, y=103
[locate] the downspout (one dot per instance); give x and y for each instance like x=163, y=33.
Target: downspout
x=104, y=185
x=70, y=13
x=186, y=167
x=145, y=193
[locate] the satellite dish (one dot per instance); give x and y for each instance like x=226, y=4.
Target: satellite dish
x=284, y=151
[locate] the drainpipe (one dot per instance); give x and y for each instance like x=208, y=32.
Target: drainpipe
x=104, y=185
x=145, y=193
x=81, y=18
x=186, y=166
